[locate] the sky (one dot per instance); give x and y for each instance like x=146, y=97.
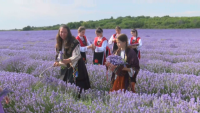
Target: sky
x=20, y=13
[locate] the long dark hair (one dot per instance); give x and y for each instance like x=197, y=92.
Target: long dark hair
x=135, y=31
x=117, y=27
x=99, y=30
x=68, y=40
x=124, y=38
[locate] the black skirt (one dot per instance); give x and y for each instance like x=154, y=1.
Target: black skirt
x=82, y=80
x=136, y=51
x=84, y=57
x=98, y=58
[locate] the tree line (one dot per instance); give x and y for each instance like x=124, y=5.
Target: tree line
x=128, y=22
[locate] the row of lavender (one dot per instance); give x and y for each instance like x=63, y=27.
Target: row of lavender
x=98, y=75
x=35, y=67
x=155, y=93
x=30, y=61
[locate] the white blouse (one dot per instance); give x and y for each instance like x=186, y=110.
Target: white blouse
x=103, y=47
x=84, y=49
x=122, y=54
x=140, y=43
x=76, y=55
x=111, y=39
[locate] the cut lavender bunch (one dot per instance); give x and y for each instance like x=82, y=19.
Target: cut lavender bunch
x=115, y=60
x=115, y=64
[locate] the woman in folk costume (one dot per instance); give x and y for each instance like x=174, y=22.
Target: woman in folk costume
x=84, y=43
x=101, y=50
x=112, y=39
x=135, y=42
x=72, y=65
x=127, y=77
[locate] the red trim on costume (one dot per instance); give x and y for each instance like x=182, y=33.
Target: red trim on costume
x=139, y=54
x=114, y=37
x=108, y=49
x=95, y=43
x=136, y=42
x=96, y=39
x=81, y=42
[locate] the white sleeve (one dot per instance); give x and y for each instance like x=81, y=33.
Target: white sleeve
x=110, y=40
x=131, y=73
x=102, y=48
x=140, y=45
x=129, y=42
x=83, y=49
x=76, y=55
x=88, y=43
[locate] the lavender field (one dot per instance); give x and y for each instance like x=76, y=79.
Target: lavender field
x=168, y=82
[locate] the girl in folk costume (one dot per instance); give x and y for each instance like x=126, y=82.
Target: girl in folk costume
x=84, y=43
x=100, y=48
x=112, y=39
x=135, y=42
x=127, y=77
x=73, y=68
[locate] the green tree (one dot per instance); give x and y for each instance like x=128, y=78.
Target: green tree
x=27, y=28
x=131, y=22
x=197, y=24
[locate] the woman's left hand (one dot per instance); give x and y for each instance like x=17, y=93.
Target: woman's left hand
x=93, y=47
x=106, y=63
x=7, y=100
x=126, y=69
x=88, y=47
x=66, y=61
x=134, y=47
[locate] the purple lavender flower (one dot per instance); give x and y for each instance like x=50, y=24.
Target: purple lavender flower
x=115, y=60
